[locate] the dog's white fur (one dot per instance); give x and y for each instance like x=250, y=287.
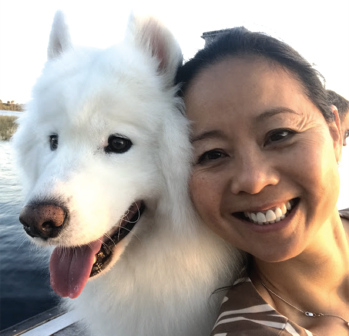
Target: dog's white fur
x=163, y=277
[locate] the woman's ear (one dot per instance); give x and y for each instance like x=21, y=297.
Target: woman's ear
x=336, y=133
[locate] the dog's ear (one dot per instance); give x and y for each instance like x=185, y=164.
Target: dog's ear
x=153, y=37
x=59, y=41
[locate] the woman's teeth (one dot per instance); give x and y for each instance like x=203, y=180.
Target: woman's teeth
x=269, y=216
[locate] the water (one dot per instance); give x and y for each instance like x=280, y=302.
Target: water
x=24, y=278
x=10, y=113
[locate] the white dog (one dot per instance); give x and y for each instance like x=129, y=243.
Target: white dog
x=105, y=155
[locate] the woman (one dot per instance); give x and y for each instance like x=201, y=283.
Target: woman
x=265, y=178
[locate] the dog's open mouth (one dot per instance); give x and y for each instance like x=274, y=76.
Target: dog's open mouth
x=103, y=256
x=71, y=267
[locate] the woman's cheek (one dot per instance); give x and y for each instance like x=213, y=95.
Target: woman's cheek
x=204, y=191
x=197, y=185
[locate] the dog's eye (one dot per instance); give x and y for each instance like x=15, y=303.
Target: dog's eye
x=53, y=142
x=117, y=144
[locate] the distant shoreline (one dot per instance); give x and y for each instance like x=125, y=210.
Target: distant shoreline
x=11, y=106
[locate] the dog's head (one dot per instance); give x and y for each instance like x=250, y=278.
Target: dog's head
x=102, y=146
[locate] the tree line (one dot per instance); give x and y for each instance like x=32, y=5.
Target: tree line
x=11, y=106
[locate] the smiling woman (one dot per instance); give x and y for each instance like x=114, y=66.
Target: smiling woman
x=265, y=178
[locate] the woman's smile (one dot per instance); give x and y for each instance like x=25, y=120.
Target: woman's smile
x=270, y=216
x=279, y=218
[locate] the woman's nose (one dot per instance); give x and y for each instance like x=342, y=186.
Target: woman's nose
x=252, y=173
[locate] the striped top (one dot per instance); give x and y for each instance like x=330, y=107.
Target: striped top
x=245, y=313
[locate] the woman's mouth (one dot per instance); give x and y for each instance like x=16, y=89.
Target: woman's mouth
x=269, y=216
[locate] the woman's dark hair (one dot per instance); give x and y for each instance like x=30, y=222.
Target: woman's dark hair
x=239, y=42
x=340, y=102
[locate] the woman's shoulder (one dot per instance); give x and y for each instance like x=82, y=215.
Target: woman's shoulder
x=244, y=312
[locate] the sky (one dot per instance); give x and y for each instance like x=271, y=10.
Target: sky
x=318, y=30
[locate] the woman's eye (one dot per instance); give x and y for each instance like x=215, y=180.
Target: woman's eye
x=211, y=156
x=117, y=144
x=346, y=134
x=278, y=136
x=53, y=142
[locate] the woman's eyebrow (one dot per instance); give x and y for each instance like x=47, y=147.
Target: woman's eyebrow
x=217, y=134
x=213, y=134
x=274, y=111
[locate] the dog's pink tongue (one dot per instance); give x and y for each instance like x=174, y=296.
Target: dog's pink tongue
x=70, y=268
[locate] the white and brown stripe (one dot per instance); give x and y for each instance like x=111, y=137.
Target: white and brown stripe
x=244, y=312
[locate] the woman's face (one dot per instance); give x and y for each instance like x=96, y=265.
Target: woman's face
x=265, y=174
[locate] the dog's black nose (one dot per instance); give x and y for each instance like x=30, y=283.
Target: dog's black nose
x=43, y=220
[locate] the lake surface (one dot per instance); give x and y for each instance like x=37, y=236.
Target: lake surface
x=10, y=113
x=24, y=278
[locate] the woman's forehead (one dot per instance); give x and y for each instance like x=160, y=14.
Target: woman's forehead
x=237, y=94
x=237, y=81
x=238, y=67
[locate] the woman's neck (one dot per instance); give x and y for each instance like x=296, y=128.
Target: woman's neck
x=317, y=280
